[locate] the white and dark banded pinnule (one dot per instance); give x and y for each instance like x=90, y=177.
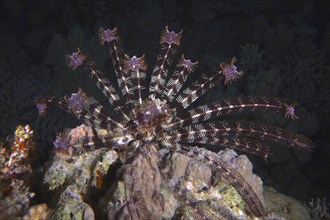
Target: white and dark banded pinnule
x=88, y=109
x=174, y=84
x=103, y=83
x=101, y=80
x=42, y=103
x=198, y=88
x=107, y=88
x=136, y=207
x=118, y=61
x=234, y=105
x=98, y=117
x=136, y=70
x=225, y=134
x=169, y=43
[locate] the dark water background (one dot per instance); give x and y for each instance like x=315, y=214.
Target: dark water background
x=283, y=48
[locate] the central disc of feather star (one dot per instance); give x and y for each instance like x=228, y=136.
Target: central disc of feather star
x=150, y=120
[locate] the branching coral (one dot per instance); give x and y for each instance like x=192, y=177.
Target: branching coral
x=15, y=195
x=303, y=69
x=250, y=56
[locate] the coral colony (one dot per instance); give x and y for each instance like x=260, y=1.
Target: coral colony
x=158, y=120
x=14, y=169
